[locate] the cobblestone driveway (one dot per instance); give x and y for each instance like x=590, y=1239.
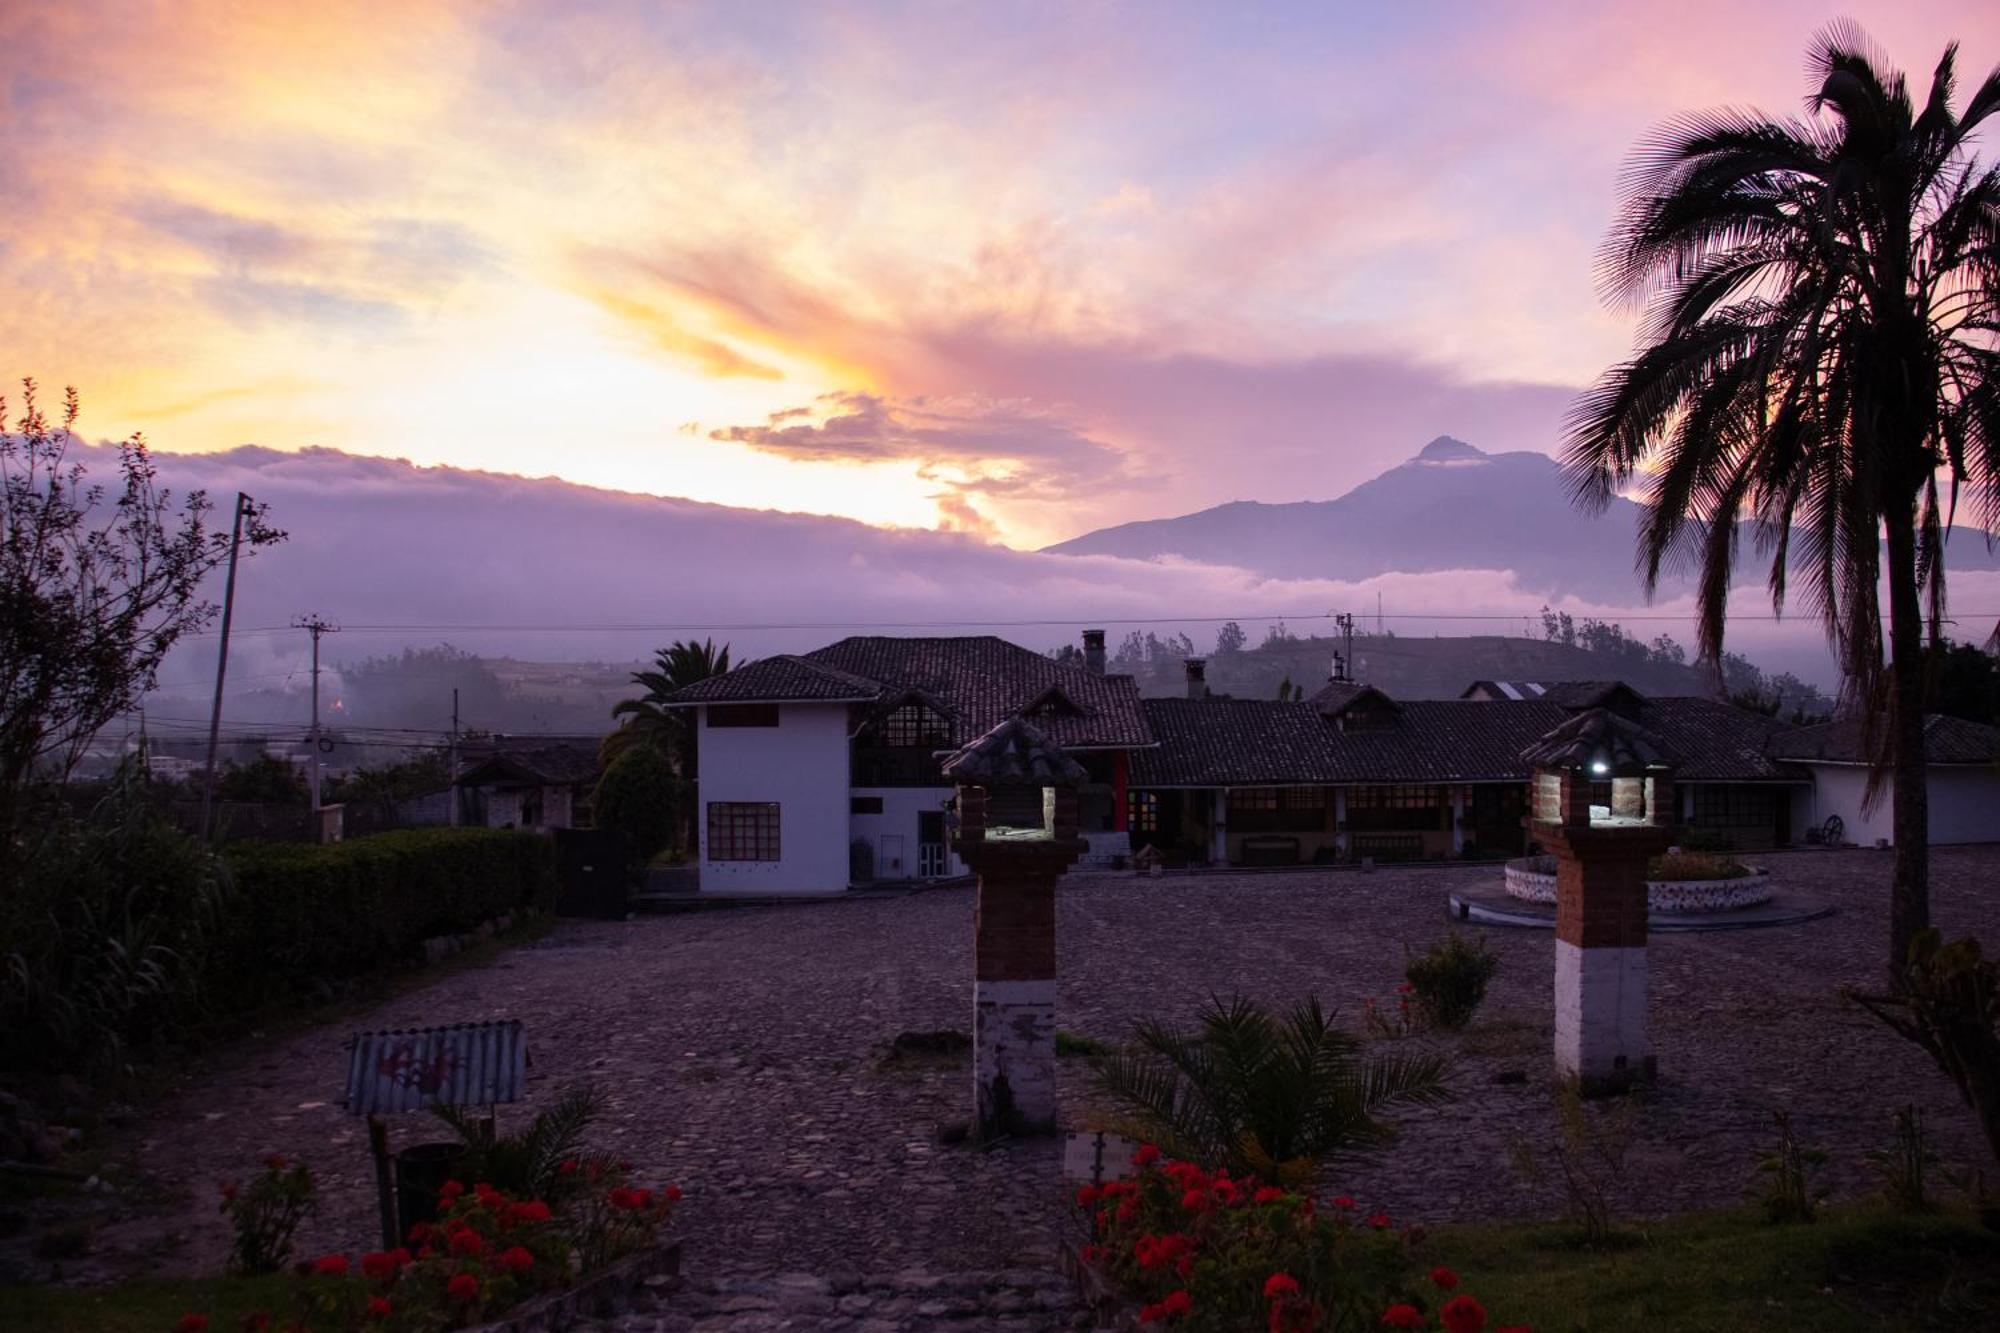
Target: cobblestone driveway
x=739, y=1050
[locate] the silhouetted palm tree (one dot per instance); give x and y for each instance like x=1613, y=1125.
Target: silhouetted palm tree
x=1820, y=312
x=647, y=720
x=1261, y=1095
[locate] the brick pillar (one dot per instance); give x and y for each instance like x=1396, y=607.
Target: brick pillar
x=1014, y=996
x=1601, y=974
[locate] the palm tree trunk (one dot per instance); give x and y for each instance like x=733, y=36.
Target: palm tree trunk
x=1909, y=892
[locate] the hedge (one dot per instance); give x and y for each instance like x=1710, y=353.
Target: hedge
x=302, y=914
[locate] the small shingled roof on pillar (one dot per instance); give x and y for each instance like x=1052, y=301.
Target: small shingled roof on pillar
x=1599, y=735
x=1014, y=753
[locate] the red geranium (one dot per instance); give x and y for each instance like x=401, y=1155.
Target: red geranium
x=1403, y=1316
x=1444, y=1277
x=1145, y=1156
x=673, y=1193
x=1280, y=1285
x=1380, y=1221
x=331, y=1265
x=1172, y=1305
x=1462, y=1314
x=1343, y=1201
x=568, y=1167
x=532, y=1211
x=517, y=1259
x=450, y=1190
x=378, y=1307
x=468, y=1243
x=463, y=1287
x=1267, y=1194
x=378, y=1265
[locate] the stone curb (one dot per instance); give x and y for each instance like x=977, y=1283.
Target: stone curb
x=597, y=1296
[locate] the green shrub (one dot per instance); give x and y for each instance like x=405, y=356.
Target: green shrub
x=1677, y=866
x=305, y=914
x=1706, y=840
x=107, y=930
x=1448, y=981
x=636, y=797
x=1790, y=1193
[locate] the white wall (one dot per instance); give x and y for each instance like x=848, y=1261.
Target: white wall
x=802, y=765
x=900, y=808
x=1965, y=804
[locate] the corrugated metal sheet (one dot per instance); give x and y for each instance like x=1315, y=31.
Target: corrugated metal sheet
x=466, y=1064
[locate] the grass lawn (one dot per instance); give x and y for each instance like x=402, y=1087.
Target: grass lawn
x=1856, y=1268
x=141, y=1307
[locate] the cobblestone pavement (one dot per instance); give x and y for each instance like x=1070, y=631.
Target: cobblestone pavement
x=741, y=1054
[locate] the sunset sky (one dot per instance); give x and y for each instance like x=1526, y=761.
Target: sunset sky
x=1012, y=268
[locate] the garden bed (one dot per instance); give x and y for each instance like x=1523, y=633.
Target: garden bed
x=1532, y=879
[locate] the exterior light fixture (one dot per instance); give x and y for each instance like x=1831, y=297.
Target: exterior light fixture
x=1599, y=767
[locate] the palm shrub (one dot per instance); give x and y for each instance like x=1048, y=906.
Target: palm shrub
x=1265, y=1095
x=1816, y=363
x=637, y=797
x=1448, y=981
x=529, y=1164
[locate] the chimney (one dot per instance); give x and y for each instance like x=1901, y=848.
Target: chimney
x=1197, y=678
x=1339, y=668
x=1093, y=650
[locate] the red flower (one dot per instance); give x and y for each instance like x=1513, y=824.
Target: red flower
x=1173, y=1304
x=257, y=1321
x=468, y=1243
x=1280, y=1285
x=1268, y=1194
x=517, y=1259
x=1343, y=1201
x=1196, y=1201
x=463, y=1287
x=625, y=1200
x=191, y=1323
x=1225, y=1190
x=378, y=1307
x=451, y=1190
x=378, y=1265
x=332, y=1265
x=1462, y=1314
x=1402, y=1316
x=1146, y=1155
x=1184, y=1266
x=673, y=1193
x=532, y=1211
x=1380, y=1221
x=420, y=1234
x=568, y=1167
x=401, y=1255
x=1444, y=1277
x=1086, y=1196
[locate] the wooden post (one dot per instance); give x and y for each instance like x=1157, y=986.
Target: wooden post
x=385, y=1187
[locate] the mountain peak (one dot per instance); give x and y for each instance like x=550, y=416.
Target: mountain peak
x=1445, y=449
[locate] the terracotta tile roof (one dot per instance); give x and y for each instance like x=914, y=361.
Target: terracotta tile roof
x=1251, y=742
x=1014, y=752
x=977, y=682
x=1600, y=737
x=1947, y=740
x=559, y=765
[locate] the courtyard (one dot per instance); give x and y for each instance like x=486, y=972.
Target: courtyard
x=743, y=1056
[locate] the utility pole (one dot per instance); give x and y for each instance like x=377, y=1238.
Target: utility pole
x=1346, y=622
x=451, y=762
x=221, y=667
x=315, y=626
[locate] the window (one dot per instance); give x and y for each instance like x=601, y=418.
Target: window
x=743, y=831
x=1733, y=804
x=1397, y=809
x=913, y=726
x=743, y=715
x=1277, y=809
x=1144, y=808
x=864, y=805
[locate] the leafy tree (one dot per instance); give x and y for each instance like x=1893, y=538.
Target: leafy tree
x=97, y=585
x=1262, y=1094
x=636, y=796
x=1820, y=300
x=1965, y=683
x=647, y=720
x=266, y=778
x=1230, y=639
x=1277, y=635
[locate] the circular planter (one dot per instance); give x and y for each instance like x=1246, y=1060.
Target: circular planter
x=1532, y=879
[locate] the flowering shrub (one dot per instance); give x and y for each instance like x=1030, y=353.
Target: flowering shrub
x=1448, y=981
x=266, y=1212
x=487, y=1252
x=1203, y=1252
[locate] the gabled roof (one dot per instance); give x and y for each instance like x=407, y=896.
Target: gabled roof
x=1014, y=753
x=976, y=681
x=780, y=679
x=1947, y=740
x=558, y=765
x=1568, y=693
x=1256, y=742
x=1338, y=696
x=1598, y=737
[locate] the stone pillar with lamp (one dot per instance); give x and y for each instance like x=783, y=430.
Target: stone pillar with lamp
x=1017, y=830
x=1601, y=855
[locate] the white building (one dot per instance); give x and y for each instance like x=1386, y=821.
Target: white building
x=1963, y=780
x=819, y=771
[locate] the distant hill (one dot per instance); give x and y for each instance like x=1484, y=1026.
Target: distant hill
x=1452, y=506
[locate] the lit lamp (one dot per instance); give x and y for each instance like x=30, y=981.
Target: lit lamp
x=1601, y=852
x=1017, y=830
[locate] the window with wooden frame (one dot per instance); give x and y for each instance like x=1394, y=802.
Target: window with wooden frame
x=743, y=831
x=913, y=726
x=1733, y=804
x=1397, y=809
x=1144, y=810
x=1277, y=809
